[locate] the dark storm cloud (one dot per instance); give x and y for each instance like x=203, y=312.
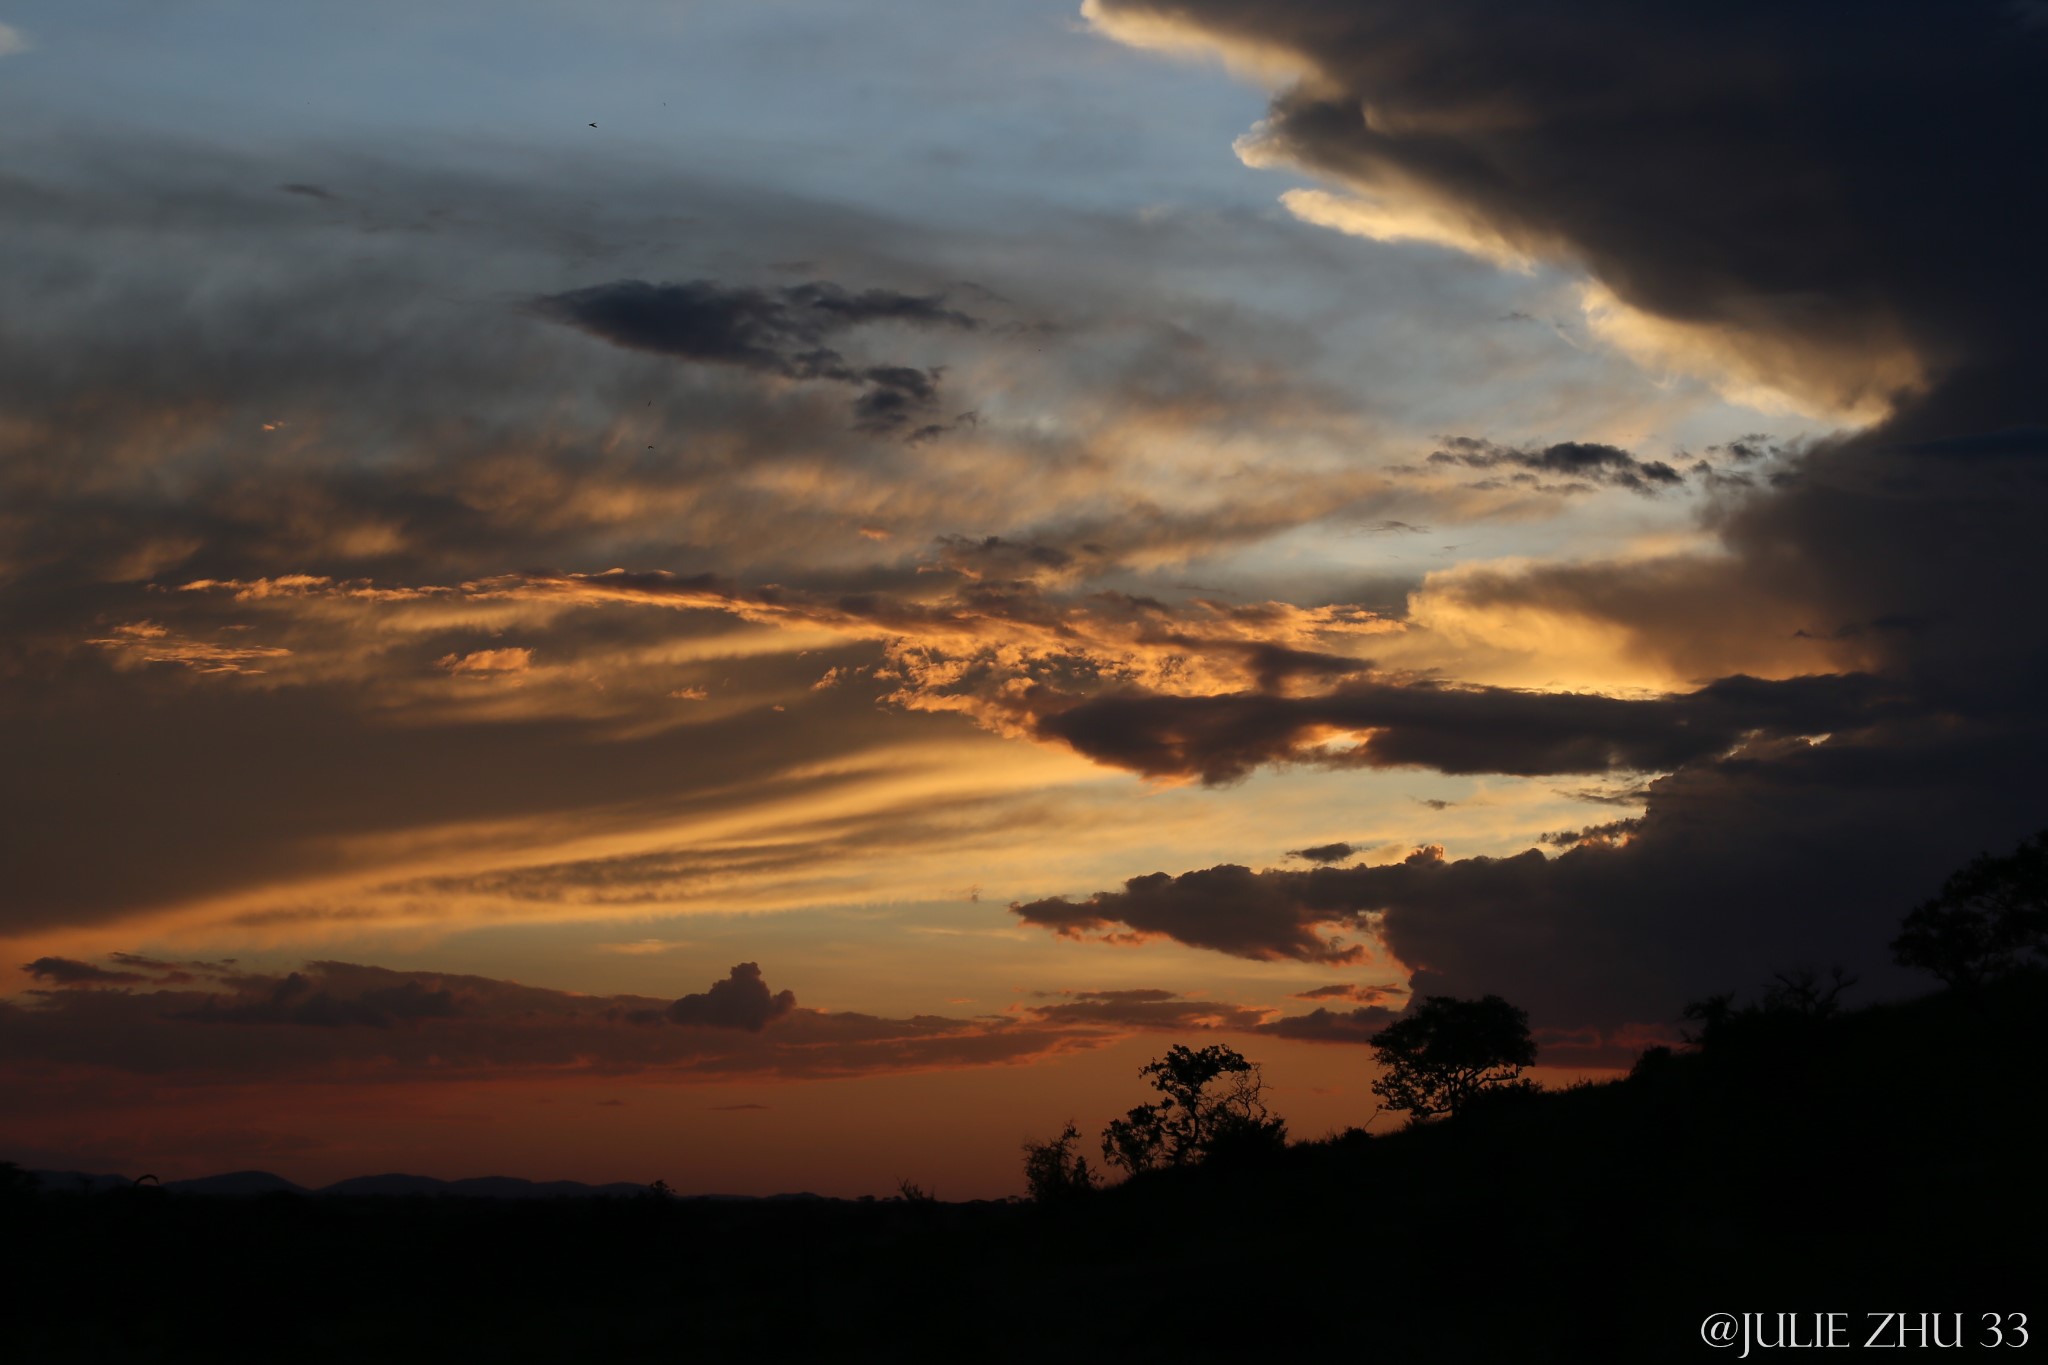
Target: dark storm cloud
x=741, y=1001
x=781, y=332
x=1809, y=176
x=1806, y=192
x=1586, y=460
x=1781, y=853
x=1454, y=729
x=1805, y=182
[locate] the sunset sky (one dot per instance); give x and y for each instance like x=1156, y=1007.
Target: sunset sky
x=776, y=594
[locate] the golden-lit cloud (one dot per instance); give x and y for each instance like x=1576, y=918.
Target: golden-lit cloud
x=147, y=642
x=1499, y=168
x=1656, y=623
x=488, y=662
x=1161, y=30
x=1385, y=217
x=1768, y=356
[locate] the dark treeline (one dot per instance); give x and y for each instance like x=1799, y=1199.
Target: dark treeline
x=1796, y=1155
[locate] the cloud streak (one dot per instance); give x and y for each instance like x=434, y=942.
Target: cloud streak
x=343, y=1022
x=780, y=332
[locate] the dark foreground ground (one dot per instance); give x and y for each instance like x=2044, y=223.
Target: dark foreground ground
x=1884, y=1162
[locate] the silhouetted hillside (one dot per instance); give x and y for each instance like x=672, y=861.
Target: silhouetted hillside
x=1880, y=1161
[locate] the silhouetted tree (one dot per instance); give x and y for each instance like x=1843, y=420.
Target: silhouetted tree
x=1708, y=1018
x=1991, y=917
x=1054, y=1171
x=1449, y=1050
x=1800, y=991
x=1213, y=1100
x=1137, y=1141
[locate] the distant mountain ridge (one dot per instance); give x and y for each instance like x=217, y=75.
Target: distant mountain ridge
x=248, y=1184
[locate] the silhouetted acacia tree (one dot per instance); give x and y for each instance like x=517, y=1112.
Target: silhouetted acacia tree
x=1448, y=1051
x=1054, y=1171
x=1991, y=917
x=1213, y=1099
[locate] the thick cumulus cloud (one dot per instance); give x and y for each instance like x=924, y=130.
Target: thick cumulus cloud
x=1832, y=188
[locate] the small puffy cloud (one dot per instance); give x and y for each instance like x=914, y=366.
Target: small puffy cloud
x=741, y=1001
x=1323, y=853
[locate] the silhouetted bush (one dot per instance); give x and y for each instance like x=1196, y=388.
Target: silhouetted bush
x=1054, y=1172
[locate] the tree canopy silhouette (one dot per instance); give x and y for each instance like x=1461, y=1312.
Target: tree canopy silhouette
x=1054, y=1171
x=1450, y=1050
x=1213, y=1102
x=1990, y=918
